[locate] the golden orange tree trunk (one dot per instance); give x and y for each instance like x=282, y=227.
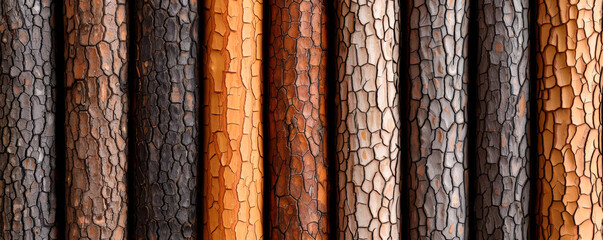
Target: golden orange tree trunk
x=96, y=108
x=27, y=121
x=502, y=191
x=368, y=120
x=296, y=119
x=569, y=128
x=232, y=120
x=437, y=127
x=166, y=119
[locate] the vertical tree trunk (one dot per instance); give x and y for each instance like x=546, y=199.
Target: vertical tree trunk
x=569, y=128
x=167, y=119
x=96, y=116
x=27, y=121
x=233, y=171
x=368, y=118
x=438, y=77
x=503, y=189
x=297, y=121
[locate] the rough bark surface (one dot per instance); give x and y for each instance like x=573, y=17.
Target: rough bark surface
x=437, y=128
x=569, y=128
x=503, y=188
x=296, y=119
x=96, y=117
x=166, y=116
x=368, y=120
x=27, y=121
x=233, y=148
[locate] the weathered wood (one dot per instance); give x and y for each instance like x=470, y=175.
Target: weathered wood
x=27, y=121
x=368, y=119
x=437, y=118
x=503, y=168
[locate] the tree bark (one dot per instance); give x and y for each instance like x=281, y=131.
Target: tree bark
x=96, y=117
x=368, y=119
x=569, y=125
x=166, y=116
x=233, y=148
x=297, y=120
x=27, y=121
x=503, y=167
x=437, y=127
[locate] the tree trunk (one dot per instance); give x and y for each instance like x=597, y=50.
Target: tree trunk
x=296, y=119
x=503, y=187
x=368, y=119
x=437, y=130
x=166, y=116
x=569, y=128
x=96, y=117
x=233, y=155
x=27, y=121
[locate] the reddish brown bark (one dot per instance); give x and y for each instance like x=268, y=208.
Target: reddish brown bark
x=96, y=108
x=296, y=119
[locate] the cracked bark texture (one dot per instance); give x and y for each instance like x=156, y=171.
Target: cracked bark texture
x=27, y=121
x=96, y=116
x=297, y=120
x=368, y=120
x=503, y=188
x=437, y=128
x=569, y=128
x=233, y=148
x=167, y=119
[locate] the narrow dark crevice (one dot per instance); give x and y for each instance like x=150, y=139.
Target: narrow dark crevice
x=472, y=99
x=533, y=119
x=331, y=84
x=264, y=121
x=132, y=84
x=404, y=93
x=201, y=21
x=59, y=59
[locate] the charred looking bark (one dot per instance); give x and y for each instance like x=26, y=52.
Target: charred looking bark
x=27, y=121
x=166, y=116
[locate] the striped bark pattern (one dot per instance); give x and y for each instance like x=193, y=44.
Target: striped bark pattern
x=233, y=177
x=368, y=120
x=166, y=116
x=437, y=114
x=503, y=188
x=96, y=117
x=569, y=128
x=27, y=121
x=297, y=120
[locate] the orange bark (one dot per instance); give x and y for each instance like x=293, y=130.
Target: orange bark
x=569, y=128
x=233, y=171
